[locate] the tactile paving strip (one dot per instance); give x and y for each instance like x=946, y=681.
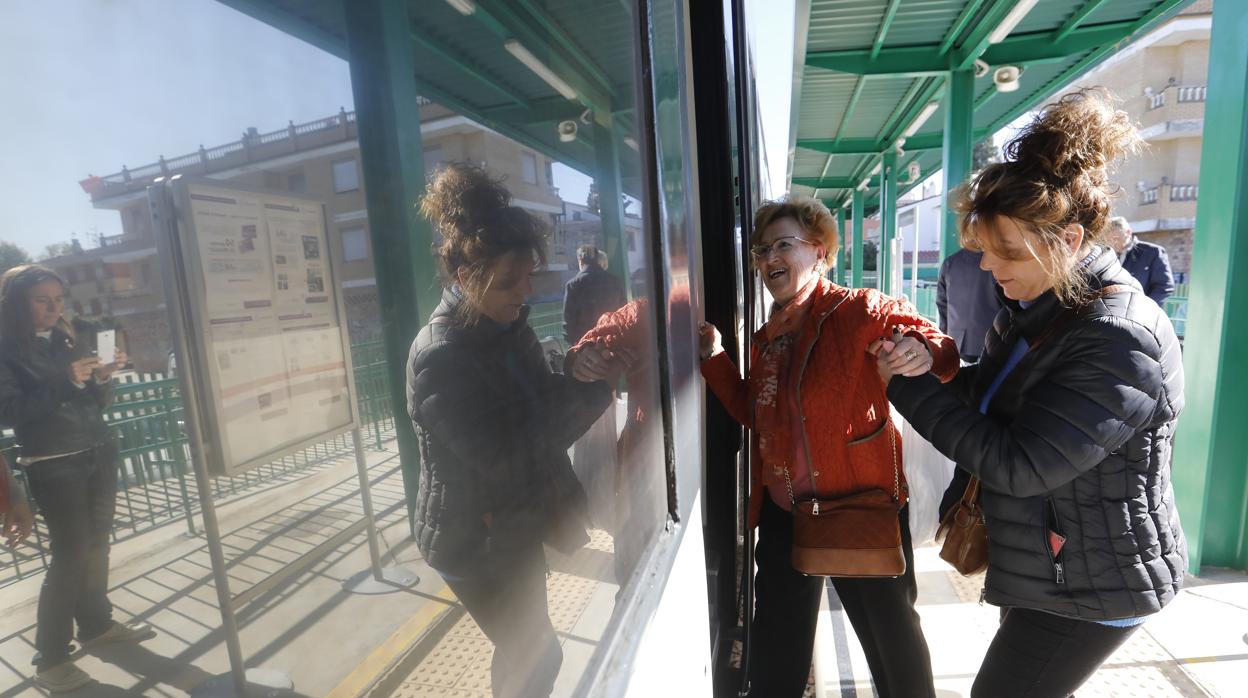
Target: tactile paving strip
x=459, y=665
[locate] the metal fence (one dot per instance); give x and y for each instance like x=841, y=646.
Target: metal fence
x=157, y=487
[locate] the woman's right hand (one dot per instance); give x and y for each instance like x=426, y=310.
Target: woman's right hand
x=709, y=340
x=593, y=362
x=80, y=370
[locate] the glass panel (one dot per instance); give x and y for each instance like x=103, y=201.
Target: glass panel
x=528, y=162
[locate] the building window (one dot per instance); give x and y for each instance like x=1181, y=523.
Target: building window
x=346, y=176
x=354, y=244
x=77, y=308
x=550, y=173
x=297, y=182
x=95, y=306
x=528, y=164
x=71, y=275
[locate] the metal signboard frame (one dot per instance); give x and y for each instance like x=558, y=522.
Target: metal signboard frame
x=181, y=268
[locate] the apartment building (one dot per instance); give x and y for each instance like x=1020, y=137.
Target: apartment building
x=1161, y=81
x=121, y=278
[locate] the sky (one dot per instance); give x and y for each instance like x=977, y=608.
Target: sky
x=104, y=83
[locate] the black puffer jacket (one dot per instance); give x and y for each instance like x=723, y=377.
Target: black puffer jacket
x=494, y=426
x=47, y=412
x=1077, y=440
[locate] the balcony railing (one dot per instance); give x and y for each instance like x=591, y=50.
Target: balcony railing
x=1192, y=93
x=1156, y=101
x=1184, y=192
x=319, y=132
x=1148, y=196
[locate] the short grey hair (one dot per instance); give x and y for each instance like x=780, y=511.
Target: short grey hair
x=1119, y=224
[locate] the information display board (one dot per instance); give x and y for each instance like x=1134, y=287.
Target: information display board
x=273, y=364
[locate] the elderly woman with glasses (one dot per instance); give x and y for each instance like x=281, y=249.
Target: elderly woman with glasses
x=821, y=429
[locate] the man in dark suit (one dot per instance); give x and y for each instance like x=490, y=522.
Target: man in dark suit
x=589, y=295
x=1147, y=262
x=966, y=297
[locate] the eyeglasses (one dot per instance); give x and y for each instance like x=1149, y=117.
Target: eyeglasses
x=782, y=245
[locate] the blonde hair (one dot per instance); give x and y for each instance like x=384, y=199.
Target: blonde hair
x=1055, y=174
x=811, y=216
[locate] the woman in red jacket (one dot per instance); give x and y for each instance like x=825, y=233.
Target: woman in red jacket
x=820, y=422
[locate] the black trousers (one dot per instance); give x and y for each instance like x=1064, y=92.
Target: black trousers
x=77, y=496
x=1041, y=655
x=511, y=609
x=786, y=611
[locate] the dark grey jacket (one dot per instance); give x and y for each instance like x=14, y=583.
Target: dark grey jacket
x=494, y=426
x=1077, y=440
x=966, y=297
x=1150, y=266
x=588, y=296
x=47, y=412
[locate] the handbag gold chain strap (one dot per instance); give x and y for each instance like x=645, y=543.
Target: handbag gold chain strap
x=892, y=443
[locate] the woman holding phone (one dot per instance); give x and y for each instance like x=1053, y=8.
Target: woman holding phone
x=52, y=394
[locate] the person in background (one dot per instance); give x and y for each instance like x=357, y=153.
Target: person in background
x=1068, y=418
x=821, y=428
x=1147, y=262
x=52, y=394
x=589, y=295
x=494, y=426
x=967, y=300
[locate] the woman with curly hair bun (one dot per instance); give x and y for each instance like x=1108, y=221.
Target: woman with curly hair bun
x=494, y=426
x=1068, y=418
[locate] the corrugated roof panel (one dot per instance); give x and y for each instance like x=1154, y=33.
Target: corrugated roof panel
x=922, y=22
x=843, y=24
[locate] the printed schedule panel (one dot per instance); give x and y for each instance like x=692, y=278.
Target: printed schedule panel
x=268, y=325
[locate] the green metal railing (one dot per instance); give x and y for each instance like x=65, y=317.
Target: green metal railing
x=155, y=485
x=546, y=319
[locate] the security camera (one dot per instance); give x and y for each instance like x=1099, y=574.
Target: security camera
x=567, y=131
x=1006, y=78
x=587, y=117
x=981, y=67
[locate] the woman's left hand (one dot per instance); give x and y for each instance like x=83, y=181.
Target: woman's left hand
x=105, y=372
x=900, y=356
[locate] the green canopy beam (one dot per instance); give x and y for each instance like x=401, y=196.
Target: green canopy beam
x=465, y=66
x=825, y=182
x=1077, y=18
x=928, y=60
x=955, y=31
x=885, y=23
x=1211, y=449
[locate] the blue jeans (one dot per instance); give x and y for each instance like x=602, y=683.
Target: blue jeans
x=76, y=495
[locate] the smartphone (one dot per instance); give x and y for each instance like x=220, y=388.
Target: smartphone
x=106, y=345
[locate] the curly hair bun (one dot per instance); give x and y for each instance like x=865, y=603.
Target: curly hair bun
x=1079, y=135
x=462, y=198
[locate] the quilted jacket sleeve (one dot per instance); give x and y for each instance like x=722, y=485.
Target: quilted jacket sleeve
x=450, y=399
x=732, y=390
x=1103, y=388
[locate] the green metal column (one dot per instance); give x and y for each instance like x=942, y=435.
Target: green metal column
x=855, y=279
x=956, y=150
x=610, y=203
x=1211, y=449
x=840, y=247
x=888, y=221
x=388, y=118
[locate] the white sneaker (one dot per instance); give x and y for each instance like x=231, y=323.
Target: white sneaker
x=62, y=678
x=135, y=631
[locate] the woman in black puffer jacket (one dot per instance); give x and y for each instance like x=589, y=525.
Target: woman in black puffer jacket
x=52, y=394
x=495, y=426
x=1069, y=416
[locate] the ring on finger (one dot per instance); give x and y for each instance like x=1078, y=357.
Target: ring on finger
x=911, y=354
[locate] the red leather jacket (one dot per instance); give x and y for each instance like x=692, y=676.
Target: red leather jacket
x=843, y=404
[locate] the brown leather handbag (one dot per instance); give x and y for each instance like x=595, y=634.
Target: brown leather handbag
x=965, y=533
x=857, y=535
